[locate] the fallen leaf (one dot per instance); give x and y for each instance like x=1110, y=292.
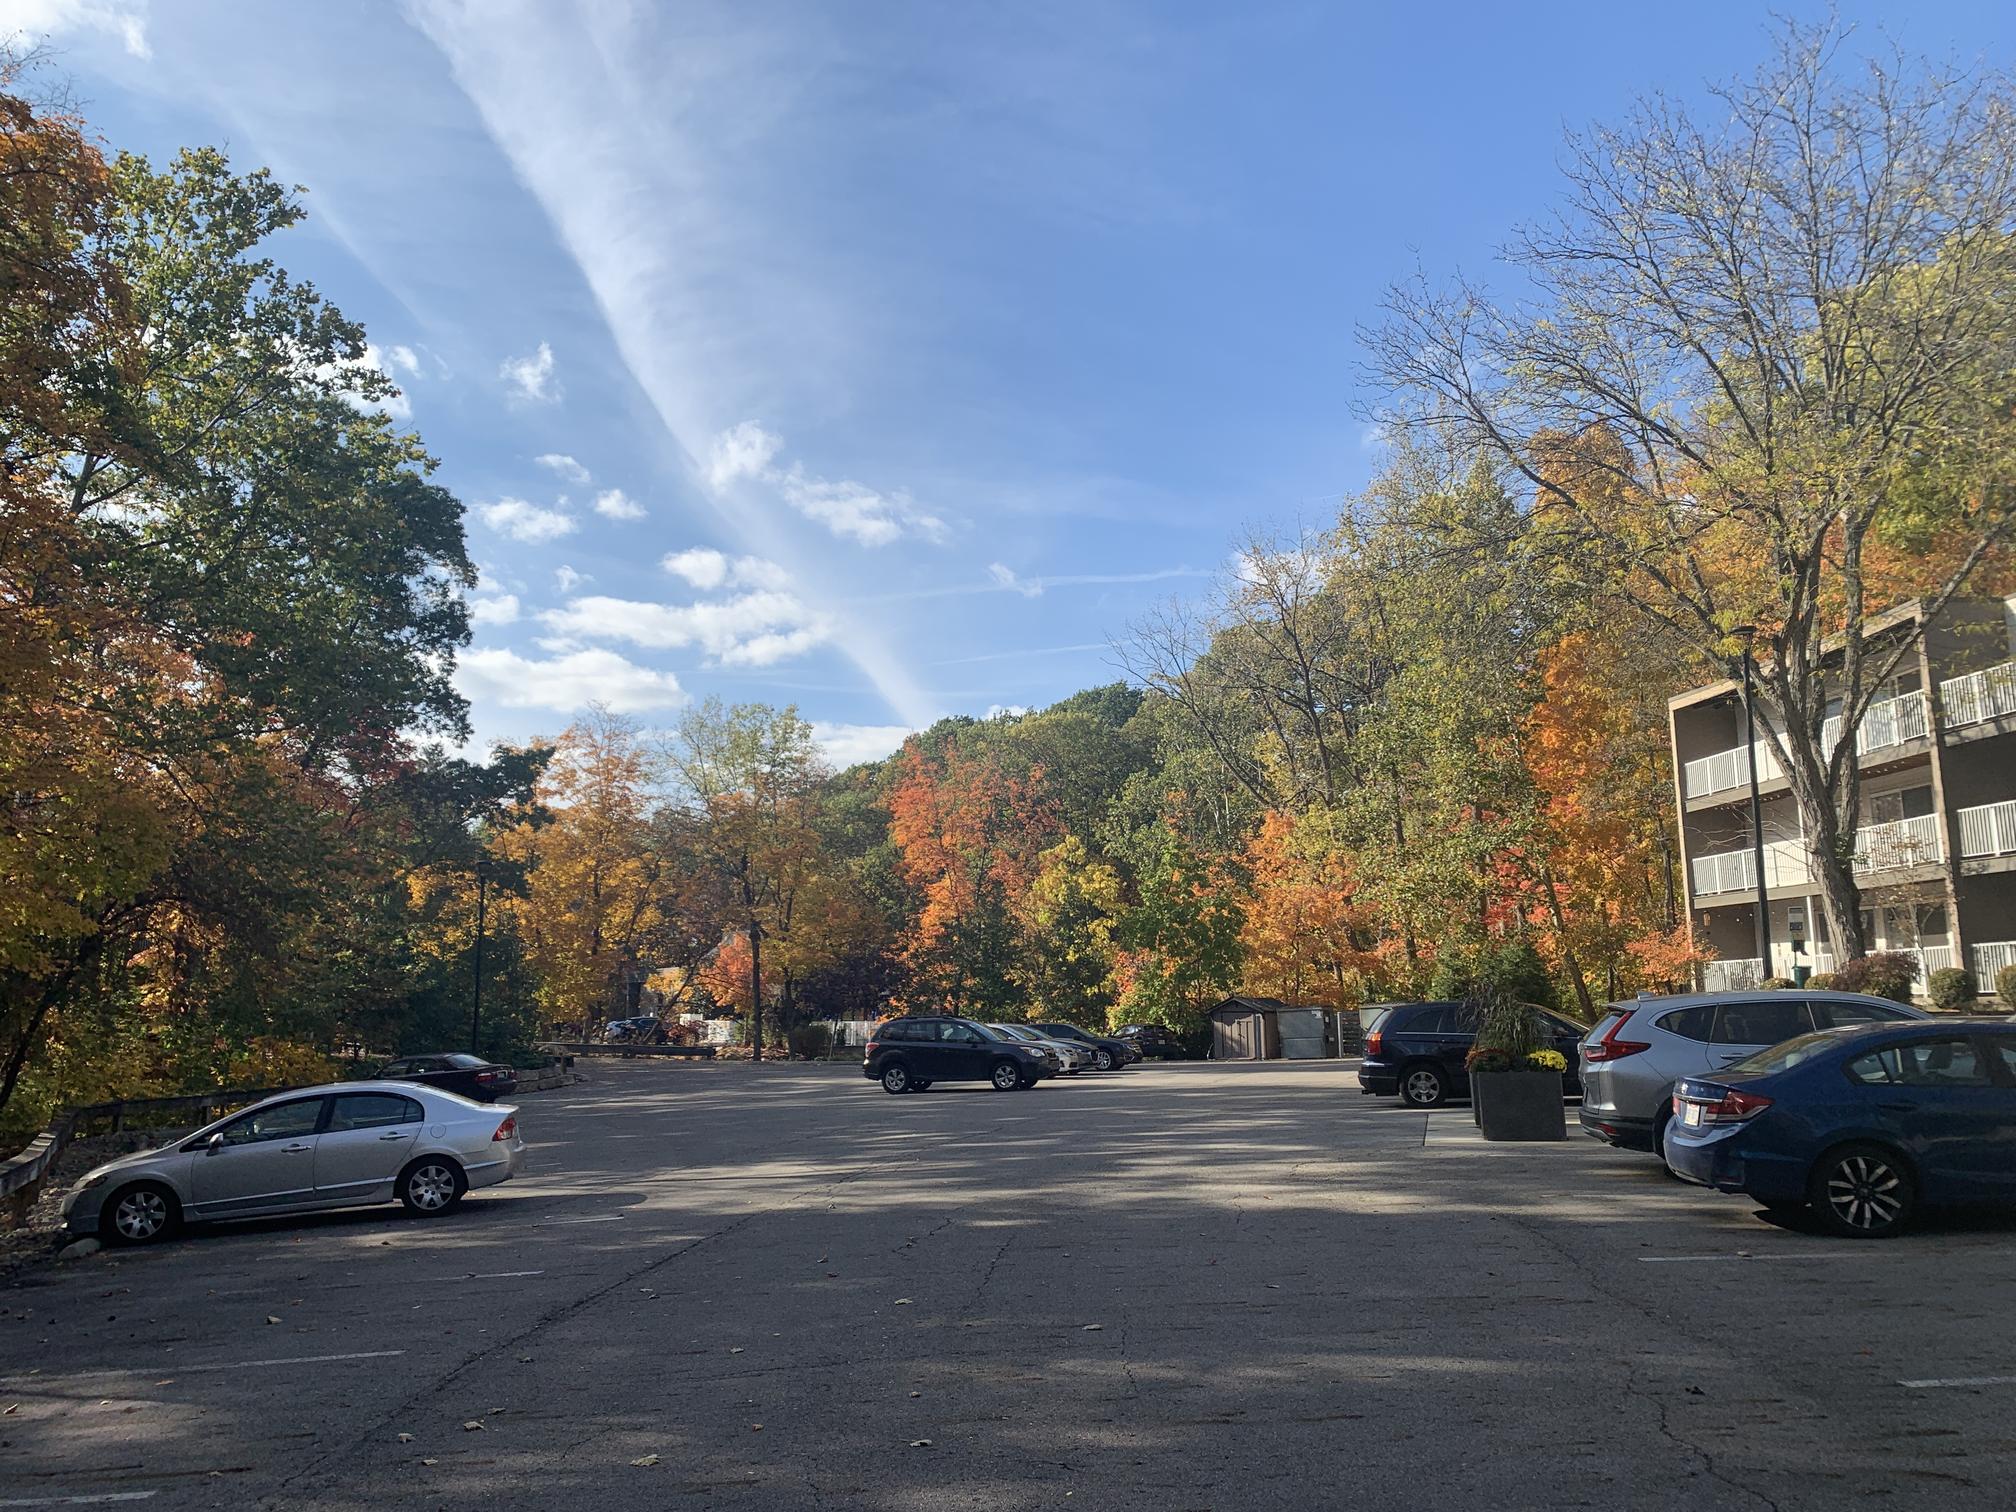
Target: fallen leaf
x=735, y=1349
x=920, y=1443
x=1094, y=1327
x=902, y=1302
x=755, y=1427
x=524, y=1359
x=472, y=1426
x=430, y=1462
x=271, y=1319
x=645, y=1461
x=405, y=1438
x=916, y=1393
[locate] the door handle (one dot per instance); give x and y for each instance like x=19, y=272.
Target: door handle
x=295, y=1149
x=383, y=1137
x=1898, y=1107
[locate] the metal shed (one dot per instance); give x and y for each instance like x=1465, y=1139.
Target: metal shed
x=1260, y=1028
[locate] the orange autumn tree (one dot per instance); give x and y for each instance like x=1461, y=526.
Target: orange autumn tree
x=1305, y=939
x=970, y=838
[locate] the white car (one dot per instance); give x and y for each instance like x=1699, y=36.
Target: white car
x=344, y=1145
x=1073, y=1057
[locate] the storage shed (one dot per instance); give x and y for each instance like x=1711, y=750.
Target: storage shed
x=1260, y=1028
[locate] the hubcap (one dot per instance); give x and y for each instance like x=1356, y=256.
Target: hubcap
x=895, y=1079
x=1865, y=1193
x=1005, y=1077
x=140, y=1215
x=1422, y=1087
x=432, y=1186
x=1104, y=1061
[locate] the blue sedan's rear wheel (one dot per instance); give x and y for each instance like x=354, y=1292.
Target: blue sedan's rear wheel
x=1863, y=1191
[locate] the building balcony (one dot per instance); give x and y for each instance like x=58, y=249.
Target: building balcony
x=1989, y=830
x=1891, y=722
x=1979, y=696
x=1785, y=865
x=1899, y=843
x=1990, y=960
x=1727, y=771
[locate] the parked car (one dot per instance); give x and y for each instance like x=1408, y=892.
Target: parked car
x=1415, y=1051
x=459, y=1072
x=1638, y=1050
x=1070, y=1056
x=1864, y=1126
x=321, y=1147
x=909, y=1054
x=1152, y=1040
x=1107, y=1054
x=645, y=1029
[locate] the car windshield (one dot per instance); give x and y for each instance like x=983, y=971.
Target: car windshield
x=1784, y=1057
x=463, y=1060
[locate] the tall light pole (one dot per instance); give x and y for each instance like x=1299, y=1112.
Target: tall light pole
x=1756, y=813
x=476, y=1001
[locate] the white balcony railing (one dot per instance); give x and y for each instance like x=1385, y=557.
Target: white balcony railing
x=1785, y=865
x=1899, y=843
x=1889, y=722
x=1979, y=696
x=1990, y=959
x=1731, y=976
x=1728, y=770
x=1989, y=830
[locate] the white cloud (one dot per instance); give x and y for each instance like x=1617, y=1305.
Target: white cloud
x=567, y=579
x=851, y=510
x=1005, y=711
x=847, y=744
x=614, y=504
x=36, y=19
x=532, y=377
x=751, y=630
x=493, y=609
x=742, y=451
x=1005, y=576
x=527, y=522
x=706, y=568
x=403, y=358
x=565, y=683
x=559, y=462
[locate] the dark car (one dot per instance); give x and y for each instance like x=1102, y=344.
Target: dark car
x=1107, y=1054
x=1152, y=1040
x=909, y=1054
x=1416, y=1050
x=470, y=1075
x=1862, y=1125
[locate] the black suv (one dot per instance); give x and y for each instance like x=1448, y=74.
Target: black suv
x=908, y=1054
x=1107, y=1054
x=1416, y=1050
x=1152, y=1040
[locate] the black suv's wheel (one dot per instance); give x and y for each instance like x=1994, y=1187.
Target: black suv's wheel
x=1102, y=1058
x=1423, y=1086
x=431, y=1185
x=139, y=1214
x=1007, y=1076
x=1862, y=1191
x=896, y=1078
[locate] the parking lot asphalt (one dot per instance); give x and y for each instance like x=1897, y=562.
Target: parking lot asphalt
x=1174, y=1287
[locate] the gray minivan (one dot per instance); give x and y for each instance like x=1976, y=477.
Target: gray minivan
x=1638, y=1049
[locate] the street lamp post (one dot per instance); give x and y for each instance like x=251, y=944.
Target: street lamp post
x=1756, y=819
x=476, y=1001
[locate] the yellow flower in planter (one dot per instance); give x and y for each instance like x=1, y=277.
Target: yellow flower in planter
x=1546, y=1060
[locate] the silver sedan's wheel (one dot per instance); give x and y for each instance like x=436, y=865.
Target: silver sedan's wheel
x=431, y=1186
x=138, y=1215
x=1007, y=1076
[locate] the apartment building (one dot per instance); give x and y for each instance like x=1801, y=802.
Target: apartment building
x=1936, y=848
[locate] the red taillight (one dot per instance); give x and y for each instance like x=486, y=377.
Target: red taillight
x=1375, y=1042
x=489, y=1076
x=506, y=1129
x=1610, y=1048
x=1733, y=1107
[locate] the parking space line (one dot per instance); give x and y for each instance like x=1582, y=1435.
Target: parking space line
x=77, y=1501
x=1689, y=1259
x=177, y=1368
x=492, y=1275
x=1935, y=1381
x=605, y=1218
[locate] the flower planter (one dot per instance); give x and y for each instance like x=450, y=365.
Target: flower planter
x=1519, y=1105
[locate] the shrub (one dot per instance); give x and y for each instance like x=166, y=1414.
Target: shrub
x=2005, y=985
x=1886, y=974
x=811, y=1041
x=1951, y=987
x=1824, y=981
x=1511, y=968
x=1484, y=1058
x=1776, y=984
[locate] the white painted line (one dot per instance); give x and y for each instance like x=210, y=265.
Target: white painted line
x=2008, y=1380
x=550, y=1222
x=1689, y=1259
x=367, y=1354
x=78, y=1501
x=177, y=1368
x=494, y=1275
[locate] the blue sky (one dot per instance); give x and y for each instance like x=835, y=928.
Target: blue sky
x=886, y=359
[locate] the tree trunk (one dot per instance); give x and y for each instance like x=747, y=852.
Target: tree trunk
x=755, y=990
x=1567, y=950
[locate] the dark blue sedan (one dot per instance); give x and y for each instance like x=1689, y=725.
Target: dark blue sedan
x=1862, y=1125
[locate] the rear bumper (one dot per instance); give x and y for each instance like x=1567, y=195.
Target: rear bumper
x=1378, y=1080
x=1617, y=1129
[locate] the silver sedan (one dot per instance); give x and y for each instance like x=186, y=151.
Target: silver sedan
x=320, y=1147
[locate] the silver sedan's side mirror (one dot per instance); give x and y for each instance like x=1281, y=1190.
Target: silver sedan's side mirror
x=214, y=1143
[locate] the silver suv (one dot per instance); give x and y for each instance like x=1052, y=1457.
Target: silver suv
x=1637, y=1050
